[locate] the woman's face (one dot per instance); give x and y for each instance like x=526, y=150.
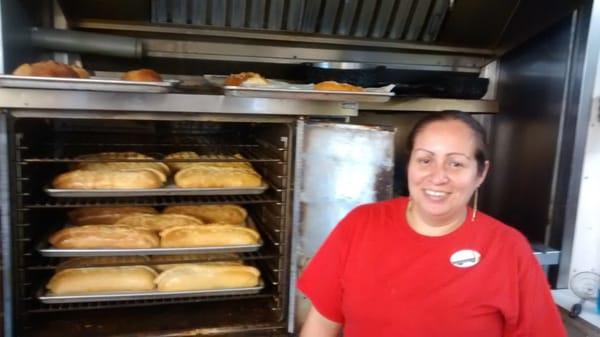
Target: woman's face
x=442, y=170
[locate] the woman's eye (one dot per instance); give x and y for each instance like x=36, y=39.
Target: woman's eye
x=455, y=164
x=424, y=161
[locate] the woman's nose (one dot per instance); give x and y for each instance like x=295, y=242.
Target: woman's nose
x=439, y=175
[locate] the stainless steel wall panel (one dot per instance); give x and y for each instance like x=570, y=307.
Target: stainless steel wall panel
x=257, y=13
x=198, y=9
x=417, y=20
x=435, y=19
x=275, y=19
x=365, y=17
x=179, y=11
x=347, y=17
x=294, y=17
x=400, y=19
x=237, y=13
x=330, y=12
x=382, y=21
x=218, y=11
x=311, y=16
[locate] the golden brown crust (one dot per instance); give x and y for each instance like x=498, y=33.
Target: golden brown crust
x=110, y=179
x=208, y=235
x=102, y=279
x=104, y=215
x=103, y=236
x=158, y=222
x=142, y=75
x=193, y=159
x=46, y=69
x=207, y=276
x=82, y=73
x=102, y=261
x=104, y=162
x=205, y=176
x=336, y=86
x=225, y=213
x=245, y=78
x=171, y=261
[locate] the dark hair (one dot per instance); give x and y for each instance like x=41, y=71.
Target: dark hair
x=481, y=153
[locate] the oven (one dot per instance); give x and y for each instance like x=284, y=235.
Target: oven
x=41, y=148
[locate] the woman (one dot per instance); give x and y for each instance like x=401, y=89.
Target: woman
x=429, y=265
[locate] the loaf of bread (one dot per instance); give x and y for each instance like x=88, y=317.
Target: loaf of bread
x=142, y=75
x=208, y=235
x=103, y=236
x=104, y=215
x=50, y=69
x=225, y=213
x=158, y=222
x=204, y=176
x=102, y=261
x=191, y=158
x=171, y=261
x=245, y=78
x=207, y=276
x=129, y=164
x=335, y=86
x=102, y=280
x=110, y=179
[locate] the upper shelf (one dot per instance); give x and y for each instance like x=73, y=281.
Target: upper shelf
x=72, y=103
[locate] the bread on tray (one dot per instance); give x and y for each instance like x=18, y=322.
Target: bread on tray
x=208, y=235
x=105, y=215
x=158, y=222
x=191, y=158
x=207, y=276
x=50, y=69
x=336, y=86
x=102, y=280
x=217, y=177
x=223, y=213
x=103, y=261
x=103, y=236
x=171, y=261
x=110, y=179
x=142, y=75
x=105, y=162
x=245, y=78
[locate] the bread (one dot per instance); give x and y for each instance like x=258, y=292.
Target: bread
x=142, y=75
x=208, y=235
x=104, y=215
x=80, y=71
x=158, y=222
x=207, y=276
x=193, y=159
x=226, y=213
x=47, y=69
x=102, y=261
x=245, y=78
x=103, y=236
x=130, y=164
x=110, y=179
x=204, y=176
x=102, y=279
x=335, y=86
x=171, y=261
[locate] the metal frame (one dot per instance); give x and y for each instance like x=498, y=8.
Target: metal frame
x=6, y=225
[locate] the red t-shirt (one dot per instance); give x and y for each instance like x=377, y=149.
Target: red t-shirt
x=378, y=277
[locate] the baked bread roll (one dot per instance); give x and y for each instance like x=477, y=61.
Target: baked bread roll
x=102, y=261
x=226, y=213
x=193, y=159
x=245, y=78
x=46, y=69
x=208, y=235
x=142, y=75
x=204, y=176
x=171, y=261
x=180, y=165
x=82, y=73
x=110, y=179
x=207, y=276
x=102, y=279
x=119, y=165
x=103, y=236
x=104, y=215
x=158, y=222
x=335, y=86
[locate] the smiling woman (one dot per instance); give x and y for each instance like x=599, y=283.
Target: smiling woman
x=429, y=265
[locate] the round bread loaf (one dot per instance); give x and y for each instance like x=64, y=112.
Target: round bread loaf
x=142, y=75
x=46, y=69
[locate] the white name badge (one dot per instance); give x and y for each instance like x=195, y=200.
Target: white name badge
x=465, y=258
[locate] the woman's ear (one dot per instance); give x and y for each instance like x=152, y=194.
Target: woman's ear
x=486, y=167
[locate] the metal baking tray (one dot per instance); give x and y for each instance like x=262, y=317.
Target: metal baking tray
x=49, y=298
x=321, y=95
x=169, y=190
x=56, y=252
x=34, y=82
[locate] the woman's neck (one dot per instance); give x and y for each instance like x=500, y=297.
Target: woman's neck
x=432, y=225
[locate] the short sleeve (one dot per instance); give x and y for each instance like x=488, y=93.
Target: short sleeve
x=321, y=280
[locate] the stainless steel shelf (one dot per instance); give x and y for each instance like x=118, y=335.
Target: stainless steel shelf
x=433, y=104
